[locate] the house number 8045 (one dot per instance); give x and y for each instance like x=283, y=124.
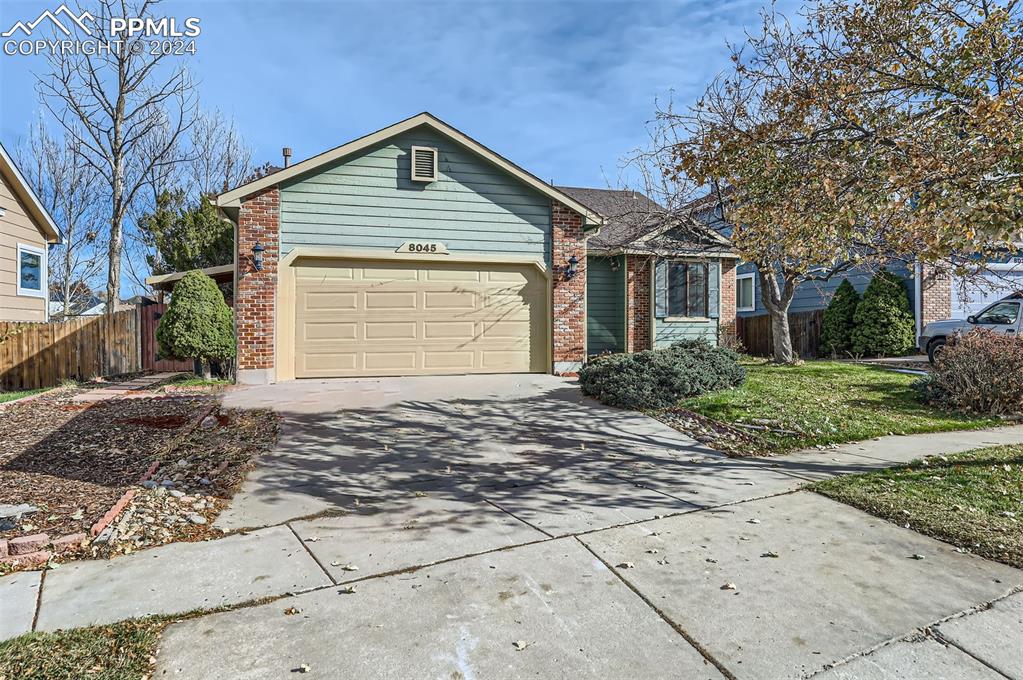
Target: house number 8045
x=422, y=247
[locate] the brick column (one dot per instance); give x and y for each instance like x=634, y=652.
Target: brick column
x=258, y=222
x=936, y=291
x=726, y=320
x=569, y=303
x=637, y=300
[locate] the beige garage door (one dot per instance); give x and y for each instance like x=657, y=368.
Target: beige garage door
x=357, y=318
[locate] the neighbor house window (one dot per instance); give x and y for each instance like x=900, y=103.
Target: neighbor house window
x=31, y=271
x=687, y=289
x=745, y=289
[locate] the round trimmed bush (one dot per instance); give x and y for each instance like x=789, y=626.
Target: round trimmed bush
x=198, y=323
x=884, y=325
x=838, y=322
x=655, y=379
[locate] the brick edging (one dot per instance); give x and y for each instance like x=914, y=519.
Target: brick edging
x=110, y=515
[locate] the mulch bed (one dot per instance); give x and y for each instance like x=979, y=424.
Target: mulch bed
x=204, y=469
x=74, y=460
x=733, y=441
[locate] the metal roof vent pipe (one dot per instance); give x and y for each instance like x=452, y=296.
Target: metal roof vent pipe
x=286, y=152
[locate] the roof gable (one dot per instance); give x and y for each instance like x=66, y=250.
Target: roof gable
x=24, y=193
x=233, y=198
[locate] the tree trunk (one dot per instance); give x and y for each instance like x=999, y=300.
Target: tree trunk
x=781, y=337
x=777, y=298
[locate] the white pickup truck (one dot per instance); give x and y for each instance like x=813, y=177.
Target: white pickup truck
x=1001, y=317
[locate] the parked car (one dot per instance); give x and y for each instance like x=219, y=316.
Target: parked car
x=1001, y=317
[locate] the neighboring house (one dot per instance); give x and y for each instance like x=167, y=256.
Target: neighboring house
x=416, y=250
x=640, y=255
x=26, y=232
x=933, y=294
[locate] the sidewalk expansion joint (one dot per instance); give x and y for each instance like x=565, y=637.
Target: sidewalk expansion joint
x=703, y=651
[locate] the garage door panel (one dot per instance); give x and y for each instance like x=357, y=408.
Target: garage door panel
x=451, y=299
x=378, y=299
x=389, y=274
x=325, y=275
x=498, y=361
x=452, y=275
x=506, y=329
x=449, y=330
x=390, y=330
x=329, y=361
x=446, y=360
x=325, y=301
x=388, y=362
x=414, y=318
x=330, y=331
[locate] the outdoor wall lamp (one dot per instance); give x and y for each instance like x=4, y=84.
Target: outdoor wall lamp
x=257, y=256
x=572, y=268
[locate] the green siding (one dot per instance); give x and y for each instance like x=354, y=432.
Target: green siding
x=368, y=201
x=667, y=332
x=605, y=305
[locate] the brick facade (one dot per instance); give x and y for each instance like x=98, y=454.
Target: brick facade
x=569, y=294
x=936, y=290
x=258, y=222
x=726, y=320
x=638, y=314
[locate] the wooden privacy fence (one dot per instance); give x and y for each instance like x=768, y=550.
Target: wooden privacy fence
x=151, y=359
x=804, y=328
x=34, y=355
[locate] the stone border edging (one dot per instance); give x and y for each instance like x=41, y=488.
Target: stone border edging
x=110, y=515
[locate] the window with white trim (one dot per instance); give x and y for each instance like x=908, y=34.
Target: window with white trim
x=687, y=289
x=745, y=290
x=31, y=271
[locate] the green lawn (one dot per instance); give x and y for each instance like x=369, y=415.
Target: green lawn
x=828, y=402
x=116, y=652
x=972, y=500
x=11, y=396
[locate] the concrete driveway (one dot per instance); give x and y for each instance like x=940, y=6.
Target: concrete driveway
x=531, y=445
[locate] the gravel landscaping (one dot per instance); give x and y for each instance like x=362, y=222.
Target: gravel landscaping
x=66, y=464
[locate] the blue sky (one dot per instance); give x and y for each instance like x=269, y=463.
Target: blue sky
x=565, y=89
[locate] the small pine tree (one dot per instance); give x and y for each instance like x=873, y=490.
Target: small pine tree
x=884, y=324
x=837, y=325
x=198, y=323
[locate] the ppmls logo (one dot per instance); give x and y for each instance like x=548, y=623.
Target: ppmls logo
x=63, y=31
x=69, y=16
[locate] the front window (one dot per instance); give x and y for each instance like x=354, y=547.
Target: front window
x=744, y=291
x=1002, y=313
x=31, y=271
x=687, y=289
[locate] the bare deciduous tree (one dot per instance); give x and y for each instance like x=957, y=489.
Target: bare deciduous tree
x=220, y=157
x=70, y=190
x=126, y=111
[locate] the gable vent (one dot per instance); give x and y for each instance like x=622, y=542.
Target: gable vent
x=424, y=164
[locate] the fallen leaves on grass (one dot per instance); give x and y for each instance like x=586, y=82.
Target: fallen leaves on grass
x=969, y=499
